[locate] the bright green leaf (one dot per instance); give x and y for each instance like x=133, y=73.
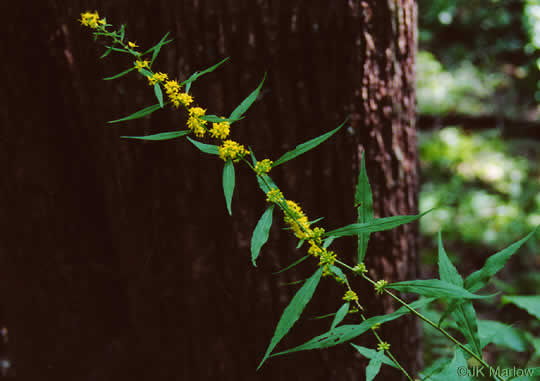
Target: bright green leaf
x=501, y=334
x=346, y=333
x=217, y=119
x=434, y=288
x=206, y=148
x=138, y=114
x=197, y=74
x=530, y=303
x=340, y=315
x=160, y=136
x=374, y=366
x=107, y=52
x=371, y=353
x=363, y=200
x=157, y=48
x=261, y=232
x=228, y=183
x=377, y=225
x=293, y=311
x=159, y=94
x=447, y=271
x=494, y=263
x=246, y=103
x=119, y=74
x=304, y=147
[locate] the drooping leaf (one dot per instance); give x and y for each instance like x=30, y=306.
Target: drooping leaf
x=500, y=334
x=228, y=183
x=246, y=103
x=293, y=311
x=340, y=315
x=159, y=94
x=374, y=366
x=119, y=74
x=346, y=333
x=363, y=200
x=371, y=353
x=206, y=148
x=376, y=225
x=139, y=114
x=530, y=303
x=161, y=136
x=261, y=232
x=434, y=288
x=197, y=74
x=304, y=147
x=494, y=263
x=292, y=264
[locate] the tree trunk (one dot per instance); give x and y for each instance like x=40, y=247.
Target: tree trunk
x=119, y=259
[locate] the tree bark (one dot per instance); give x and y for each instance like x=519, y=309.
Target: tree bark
x=119, y=259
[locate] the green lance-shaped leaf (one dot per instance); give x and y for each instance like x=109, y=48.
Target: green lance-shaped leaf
x=292, y=264
x=197, y=74
x=159, y=94
x=161, y=136
x=530, y=303
x=348, y=332
x=494, y=263
x=119, y=74
x=217, y=119
x=107, y=52
x=118, y=49
x=228, y=183
x=265, y=183
x=206, y=148
x=147, y=73
x=293, y=311
x=374, y=366
x=336, y=270
x=363, y=200
x=158, y=46
x=304, y=147
x=377, y=225
x=435, y=288
x=139, y=114
x=501, y=334
x=340, y=315
x=246, y=103
x=122, y=32
x=371, y=353
x=464, y=314
x=261, y=232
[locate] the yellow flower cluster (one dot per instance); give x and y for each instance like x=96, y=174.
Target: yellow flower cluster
x=263, y=166
x=350, y=295
x=141, y=64
x=220, y=130
x=297, y=220
x=360, y=268
x=91, y=19
x=274, y=195
x=232, y=150
x=384, y=346
x=132, y=45
x=194, y=123
x=327, y=258
x=379, y=286
x=157, y=77
x=172, y=88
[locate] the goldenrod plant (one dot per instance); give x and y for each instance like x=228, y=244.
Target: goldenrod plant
x=451, y=288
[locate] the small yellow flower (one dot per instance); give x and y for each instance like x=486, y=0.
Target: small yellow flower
x=232, y=150
x=263, y=166
x=327, y=258
x=274, y=195
x=132, y=45
x=360, y=268
x=353, y=310
x=314, y=249
x=220, y=130
x=181, y=98
x=349, y=296
x=379, y=286
x=141, y=64
x=157, y=77
x=376, y=326
x=172, y=87
x=91, y=19
x=197, y=126
x=384, y=346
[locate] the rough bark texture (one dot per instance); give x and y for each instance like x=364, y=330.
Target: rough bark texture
x=118, y=259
